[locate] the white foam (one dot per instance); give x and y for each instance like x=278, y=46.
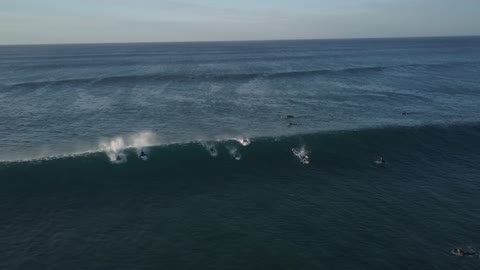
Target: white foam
x=233, y=151
x=117, y=145
x=211, y=148
x=243, y=141
x=302, y=154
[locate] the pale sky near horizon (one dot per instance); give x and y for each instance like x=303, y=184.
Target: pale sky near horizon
x=92, y=21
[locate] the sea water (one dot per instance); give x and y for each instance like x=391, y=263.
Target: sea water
x=221, y=187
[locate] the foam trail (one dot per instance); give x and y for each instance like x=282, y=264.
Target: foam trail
x=211, y=148
x=302, y=154
x=233, y=151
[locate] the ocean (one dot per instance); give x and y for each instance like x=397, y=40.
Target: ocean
x=241, y=155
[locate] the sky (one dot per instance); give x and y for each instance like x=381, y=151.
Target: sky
x=106, y=21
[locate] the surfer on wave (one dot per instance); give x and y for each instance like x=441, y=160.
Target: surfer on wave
x=302, y=155
x=143, y=155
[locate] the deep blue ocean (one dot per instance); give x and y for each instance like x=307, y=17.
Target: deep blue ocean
x=226, y=128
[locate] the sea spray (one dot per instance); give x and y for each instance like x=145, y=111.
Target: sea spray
x=114, y=147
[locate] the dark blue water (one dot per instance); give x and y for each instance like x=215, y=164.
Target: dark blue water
x=203, y=200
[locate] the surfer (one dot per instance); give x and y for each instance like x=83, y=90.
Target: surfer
x=244, y=141
x=404, y=113
x=212, y=150
x=461, y=252
x=304, y=158
x=118, y=158
x=143, y=155
x=380, y=161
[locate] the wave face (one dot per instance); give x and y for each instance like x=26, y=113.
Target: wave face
x=355, y=148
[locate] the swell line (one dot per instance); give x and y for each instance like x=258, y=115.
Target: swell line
x=221, y=77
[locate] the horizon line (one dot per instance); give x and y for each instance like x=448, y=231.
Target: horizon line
x=233, y=41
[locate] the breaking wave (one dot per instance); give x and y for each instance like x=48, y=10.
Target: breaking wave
x=338, y=151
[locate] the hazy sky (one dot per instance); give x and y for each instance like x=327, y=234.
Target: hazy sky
x=85, y=21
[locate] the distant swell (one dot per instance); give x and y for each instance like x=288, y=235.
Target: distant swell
x=162, y=77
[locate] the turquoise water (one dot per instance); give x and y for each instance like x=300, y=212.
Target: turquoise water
x=202, y=199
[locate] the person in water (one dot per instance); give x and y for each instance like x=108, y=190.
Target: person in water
x=142, y=154
x=461, y=252
x=380, y=161
x=118, y=158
